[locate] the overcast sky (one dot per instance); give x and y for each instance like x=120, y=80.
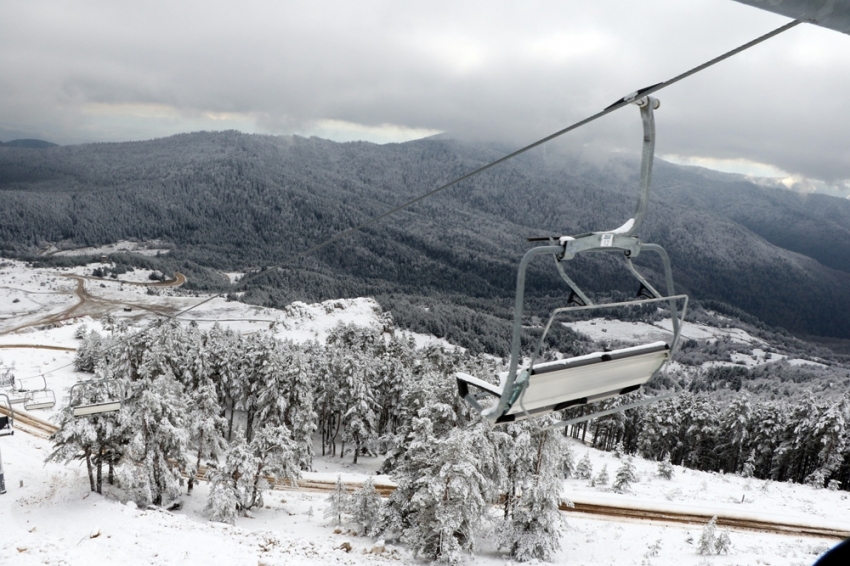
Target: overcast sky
x=76, y=72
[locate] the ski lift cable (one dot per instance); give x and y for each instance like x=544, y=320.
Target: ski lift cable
x=624, y=101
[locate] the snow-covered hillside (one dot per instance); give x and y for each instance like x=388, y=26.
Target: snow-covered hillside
x=50, y=516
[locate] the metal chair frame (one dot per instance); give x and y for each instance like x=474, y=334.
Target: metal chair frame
x=114, y=398
x=620, y=240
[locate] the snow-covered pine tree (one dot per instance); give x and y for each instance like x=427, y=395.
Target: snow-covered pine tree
x=276, y=455
x=584, y=470
x=708, y=541
x=90, y=352
x=723, y=543
x=569, y=461
x=734, y=429
x=446, y=484
x=366, y=507
x=665, y=467
x=96, y=439
x=338, y=501
x=154, y=413
x=238, y=483
x=619, y=450
x=535, y=467
x=359, y=407
x=230, y=482
x=830, y=435
x=749, y=467
x=300, y=416
x=76, y=439
x=206, y=427
x=626, y=475
x=601, y=479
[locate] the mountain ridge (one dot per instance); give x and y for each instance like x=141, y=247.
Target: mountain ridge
x=231, y=200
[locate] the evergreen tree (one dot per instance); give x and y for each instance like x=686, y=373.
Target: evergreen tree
x=154, y=413
x=445, y=486
x=665, y=467
x=584, y=470
x=531, y=529
x=206, y=427
x=366, y=507
x=723, y=543
x=569, y=461
x=601, y=479
x=707, y=541
x=626, y=475
x=338, y=501
x=619, y=450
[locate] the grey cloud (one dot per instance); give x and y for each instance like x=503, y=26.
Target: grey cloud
x=496, y=70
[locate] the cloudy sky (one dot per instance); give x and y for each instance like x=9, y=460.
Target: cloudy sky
x=384, y=71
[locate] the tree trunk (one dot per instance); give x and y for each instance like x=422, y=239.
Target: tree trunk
x=89, y=467
x=100, y=471
x=230, y=421
x=249, y=425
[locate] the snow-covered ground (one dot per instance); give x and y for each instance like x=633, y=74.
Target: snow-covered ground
x=602, y=329
x=149, y=248
x=49, y=515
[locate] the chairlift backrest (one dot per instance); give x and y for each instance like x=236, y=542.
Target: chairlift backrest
x=40, y=400
x=95, y=397
x=37, y=383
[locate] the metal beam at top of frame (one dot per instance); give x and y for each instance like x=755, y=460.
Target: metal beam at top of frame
x=832, y=14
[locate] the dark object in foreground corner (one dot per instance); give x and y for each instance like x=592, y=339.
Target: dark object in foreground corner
x=837, y=556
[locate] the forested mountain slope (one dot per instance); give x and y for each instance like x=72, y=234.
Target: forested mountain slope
x=236, y=201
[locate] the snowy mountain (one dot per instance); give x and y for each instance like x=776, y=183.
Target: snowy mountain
x=233, y=202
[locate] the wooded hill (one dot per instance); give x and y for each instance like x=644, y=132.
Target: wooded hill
x=447, y=265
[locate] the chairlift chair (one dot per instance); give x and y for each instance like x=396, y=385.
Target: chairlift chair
x=43, y=399
x=21, y=390
x=95, y=397
x=539, y=389
x=7, y=378
x=7, y=416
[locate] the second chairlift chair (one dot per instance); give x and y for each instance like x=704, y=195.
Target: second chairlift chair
x=542, y=388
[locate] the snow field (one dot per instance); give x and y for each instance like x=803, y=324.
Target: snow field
x=55, y=500
x=51, y=520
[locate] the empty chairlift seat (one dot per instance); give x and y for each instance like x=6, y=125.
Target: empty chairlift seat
x=44, y=399
x=554, y=386
x=95, y=397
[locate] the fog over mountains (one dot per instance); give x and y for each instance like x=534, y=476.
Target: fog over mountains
x=232, y=201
